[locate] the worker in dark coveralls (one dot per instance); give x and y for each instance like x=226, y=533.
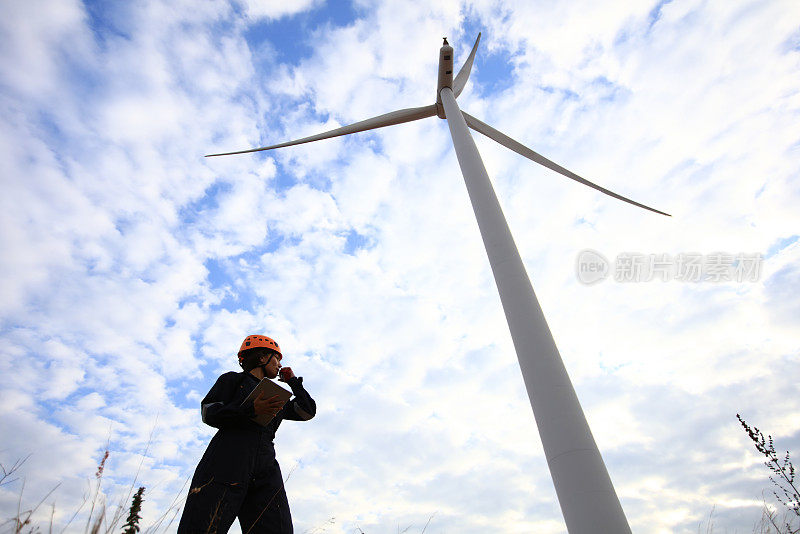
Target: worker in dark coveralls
x=238, y=475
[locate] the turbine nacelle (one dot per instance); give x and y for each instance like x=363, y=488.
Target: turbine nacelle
x=445, y=75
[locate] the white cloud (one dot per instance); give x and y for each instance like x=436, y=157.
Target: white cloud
x=33, y=49
x=275, y=9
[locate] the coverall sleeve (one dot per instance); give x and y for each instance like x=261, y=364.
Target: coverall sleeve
x=302, y=407
x=222, y=407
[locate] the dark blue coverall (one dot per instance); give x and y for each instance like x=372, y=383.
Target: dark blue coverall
x=238, y=475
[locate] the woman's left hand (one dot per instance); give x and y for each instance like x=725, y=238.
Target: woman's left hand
x=285, y=374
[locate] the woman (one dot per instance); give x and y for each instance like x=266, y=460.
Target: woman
x=238, y=475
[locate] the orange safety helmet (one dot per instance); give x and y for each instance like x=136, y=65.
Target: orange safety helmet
x=254, y=341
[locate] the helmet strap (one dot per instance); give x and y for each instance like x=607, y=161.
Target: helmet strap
x=263, y=366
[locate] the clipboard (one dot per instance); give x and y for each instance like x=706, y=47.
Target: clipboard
x=270, y=389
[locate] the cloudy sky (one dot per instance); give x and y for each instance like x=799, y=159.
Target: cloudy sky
x=132, y=267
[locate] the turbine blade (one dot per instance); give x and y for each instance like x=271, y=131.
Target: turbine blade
x=387, y=119
x=521, y=149
x=463, y=74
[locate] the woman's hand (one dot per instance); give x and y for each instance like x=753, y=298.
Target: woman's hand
x=285, y=374
x=270, y=406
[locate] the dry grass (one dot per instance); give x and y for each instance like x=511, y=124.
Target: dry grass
x=99, y=520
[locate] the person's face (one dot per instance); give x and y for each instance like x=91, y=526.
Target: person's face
x=273, y=364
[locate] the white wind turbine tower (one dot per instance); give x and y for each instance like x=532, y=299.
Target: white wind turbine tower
x=585, y=492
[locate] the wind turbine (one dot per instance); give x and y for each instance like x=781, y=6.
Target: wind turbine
x=584, y=489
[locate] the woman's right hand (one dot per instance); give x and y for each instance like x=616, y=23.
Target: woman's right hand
x=270, y=406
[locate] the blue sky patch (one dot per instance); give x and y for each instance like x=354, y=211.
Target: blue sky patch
x=190, y=212
x=291, y=36
x=107, y=21
x=356, y=241
x=608, y=90
x=565, y=94
x=496, y=71
x=655, y=14
x=491, y=72
x=780, y=244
